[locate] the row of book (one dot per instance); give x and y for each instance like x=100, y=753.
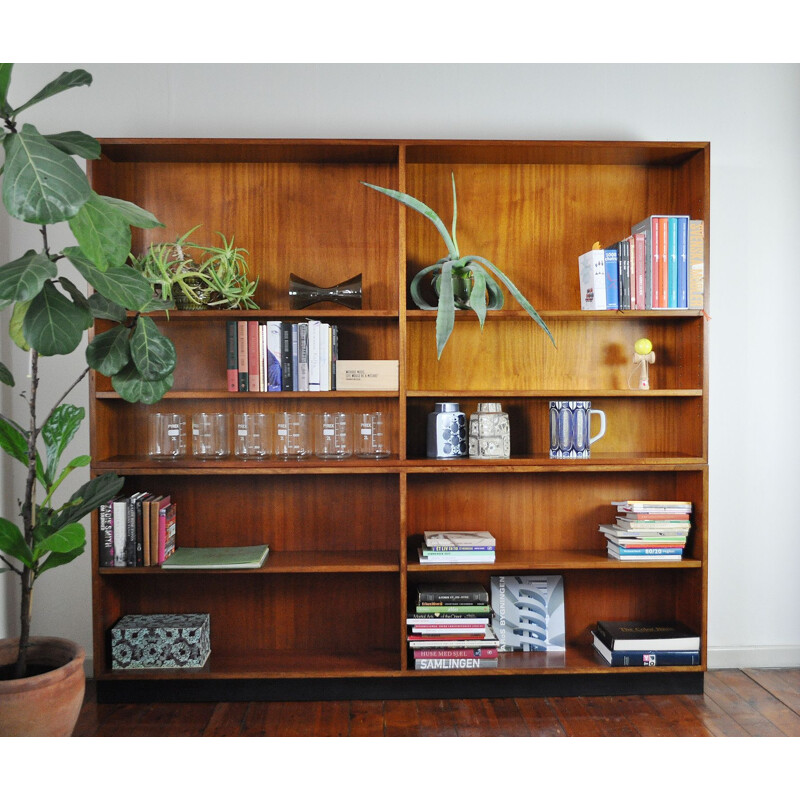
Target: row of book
x=659, y=265
x=276, y=356
x=648, y=530
x=457, y=547
x=137, y=530
x=646, y=644
x=450, y=627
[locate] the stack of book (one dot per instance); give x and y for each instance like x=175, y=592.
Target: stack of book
x=659, y=265
x=648, y=530
x=450, y=627
x=646, y=644
x=457, y=547
x=138, y=530
x=275, y=356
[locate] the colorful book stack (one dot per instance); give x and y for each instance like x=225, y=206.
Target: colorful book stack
x=457, y=547
x=646, y=644
x=659, y=265
x=450, y=627
x=275, y=356
x=648, y=530
x=137, y=530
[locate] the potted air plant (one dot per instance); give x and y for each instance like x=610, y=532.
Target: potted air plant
x=461, y=282
x=198, y=276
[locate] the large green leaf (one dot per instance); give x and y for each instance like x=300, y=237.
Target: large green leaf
x=102, y=233
x=66, y=80
x=15, y=324
x=13, y=440
x=12, y=542
x=103, y=308
x=123, y=285
x=69, y=538
x=153, y=354
x=446, y=315
x=54, y=325
x=5, y=80
x=58, y=431
x=5, y=375
x=41, y=184
x=109, y=351
x=75, y=143
x=134, y=215
x=79, y=298
x=59, y=559
x=23, y=278
x=132, y=387
x=88, y=497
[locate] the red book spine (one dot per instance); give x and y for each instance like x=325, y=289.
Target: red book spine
x=252, y=356
x=440, y=652
x=663, y=243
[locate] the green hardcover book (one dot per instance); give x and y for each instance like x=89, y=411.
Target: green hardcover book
x=217, y=557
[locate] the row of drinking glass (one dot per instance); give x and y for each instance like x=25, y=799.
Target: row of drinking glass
x=283, y=435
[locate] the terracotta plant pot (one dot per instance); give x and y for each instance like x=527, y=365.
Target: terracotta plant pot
x=45, y=704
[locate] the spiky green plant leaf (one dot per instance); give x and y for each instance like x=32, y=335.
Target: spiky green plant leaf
x=23, y=278
x=131, y=386
x=102, y=233
x=417, y=205
x=75, y=143
x=66, y=80
x=446, y=315
x=54, y=324
x=41, y=184
x=110, y=351
x=123, y=285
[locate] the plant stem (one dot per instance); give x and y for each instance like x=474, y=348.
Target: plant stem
x=28, y=523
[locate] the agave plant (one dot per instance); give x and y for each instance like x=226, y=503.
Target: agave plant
x=454, y=268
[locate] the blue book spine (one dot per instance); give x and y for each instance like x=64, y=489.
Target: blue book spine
x=670, y=658
x=612, y=279
x=672, y=262
x=683, y=262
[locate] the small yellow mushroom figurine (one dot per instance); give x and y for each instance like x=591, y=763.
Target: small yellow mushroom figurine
x=643, y=355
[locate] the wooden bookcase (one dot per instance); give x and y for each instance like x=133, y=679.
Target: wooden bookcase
x=325, y=616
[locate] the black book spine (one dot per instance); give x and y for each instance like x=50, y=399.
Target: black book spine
x=286, y=357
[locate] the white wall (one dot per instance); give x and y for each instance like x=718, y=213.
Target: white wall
x=751, y=116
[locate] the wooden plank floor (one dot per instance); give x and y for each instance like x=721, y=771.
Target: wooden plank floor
x=736, y=703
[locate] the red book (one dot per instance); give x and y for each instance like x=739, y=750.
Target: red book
x=444, y=652
x=639, y=247
x=663, y=244
x=253, y=380
x=241, y=340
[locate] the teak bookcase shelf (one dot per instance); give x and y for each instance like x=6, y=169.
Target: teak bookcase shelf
x=325, y=616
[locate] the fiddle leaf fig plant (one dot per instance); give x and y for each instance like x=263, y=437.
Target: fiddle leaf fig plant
x=472, y=272
x=42, y=184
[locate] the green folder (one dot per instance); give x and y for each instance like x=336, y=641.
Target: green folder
x=217, y=557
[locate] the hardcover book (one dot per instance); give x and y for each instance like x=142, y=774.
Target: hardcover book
x=656, y=636
x=695, y=265
x=459, y=540
x=592, y=276
x=217, y=557
x=528, y=612
x=441, y=594
x=646, y=658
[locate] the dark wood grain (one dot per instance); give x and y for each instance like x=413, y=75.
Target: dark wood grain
x=736, y=703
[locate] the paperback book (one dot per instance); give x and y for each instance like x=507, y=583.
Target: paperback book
x=528, y=612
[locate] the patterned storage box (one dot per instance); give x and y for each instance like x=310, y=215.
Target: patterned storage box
x=157, y=641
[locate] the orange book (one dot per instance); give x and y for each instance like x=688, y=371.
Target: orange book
x=663, y=244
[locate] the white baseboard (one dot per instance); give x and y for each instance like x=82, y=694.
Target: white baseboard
x=753, y=657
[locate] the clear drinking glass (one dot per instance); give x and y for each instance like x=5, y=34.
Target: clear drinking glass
x=210, y=435
x=333, y=435
x=167, y=436
x=371, y=435
x=253, y=435
x=292, y=435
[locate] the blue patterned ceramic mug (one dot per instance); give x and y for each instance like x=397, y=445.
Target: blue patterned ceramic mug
x=570, y=428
